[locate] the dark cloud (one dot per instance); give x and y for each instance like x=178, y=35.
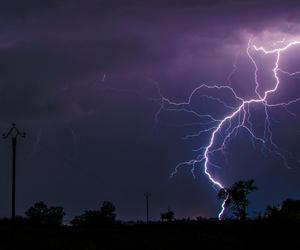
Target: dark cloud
x=87, y=144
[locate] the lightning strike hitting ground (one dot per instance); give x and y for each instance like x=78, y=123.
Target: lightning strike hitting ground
x=222, y=130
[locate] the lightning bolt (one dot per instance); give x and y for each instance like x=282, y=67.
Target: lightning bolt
x=221, y=131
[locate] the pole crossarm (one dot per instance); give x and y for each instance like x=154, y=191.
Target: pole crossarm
x=13, y=132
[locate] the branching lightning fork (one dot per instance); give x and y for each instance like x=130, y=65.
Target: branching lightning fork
x=239, y=117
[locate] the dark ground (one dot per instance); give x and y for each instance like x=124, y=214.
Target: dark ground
x=203, y=235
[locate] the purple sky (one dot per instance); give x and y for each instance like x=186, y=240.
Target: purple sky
x=91, y=139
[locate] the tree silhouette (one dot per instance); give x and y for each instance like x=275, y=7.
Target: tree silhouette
x=107, y=212
x=289, y=210
x=42, y=215
x=236, y=198
x=89, y=218
x=105, y=216
x=167, y=216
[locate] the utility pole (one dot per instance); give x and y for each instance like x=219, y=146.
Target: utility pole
x=13, y=133
x=147, y=195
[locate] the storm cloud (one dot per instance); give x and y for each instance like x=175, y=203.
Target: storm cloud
x=78, y=77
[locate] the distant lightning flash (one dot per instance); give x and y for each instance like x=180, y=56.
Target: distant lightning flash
x=222, y=130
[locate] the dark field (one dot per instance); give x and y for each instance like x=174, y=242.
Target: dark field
x=198, y=235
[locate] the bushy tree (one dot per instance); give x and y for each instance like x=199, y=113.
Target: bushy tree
x=236, y=197
x=167, y=216
x=105, y=216
x=107, y=212
x=88, y=218
x=289, y=210
x=42, y=215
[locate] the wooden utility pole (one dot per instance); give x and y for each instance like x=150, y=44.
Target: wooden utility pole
x=147, y=195
x=13, y=133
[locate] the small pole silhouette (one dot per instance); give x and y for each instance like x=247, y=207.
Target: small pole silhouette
x=13, y=133
x=147, y=195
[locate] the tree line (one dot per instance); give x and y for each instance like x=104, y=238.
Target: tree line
x=235, y=197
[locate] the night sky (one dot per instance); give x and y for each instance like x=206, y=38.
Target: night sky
x=84, y=80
